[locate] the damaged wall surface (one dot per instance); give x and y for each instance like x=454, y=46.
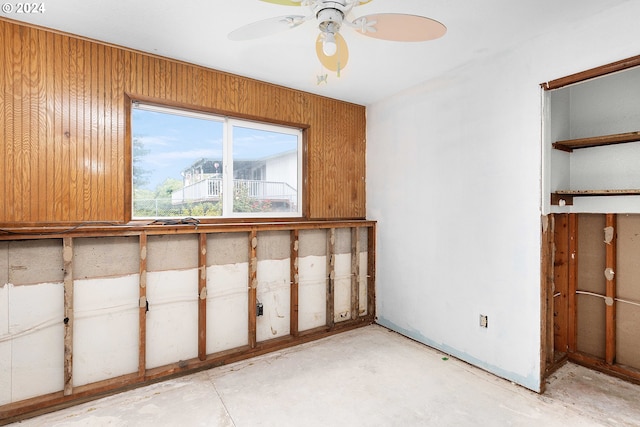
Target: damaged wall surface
x=131, y=308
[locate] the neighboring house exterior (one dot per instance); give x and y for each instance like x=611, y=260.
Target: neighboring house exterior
x=273, y=179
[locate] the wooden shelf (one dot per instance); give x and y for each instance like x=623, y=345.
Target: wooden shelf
x=568, y=195
x=571, y=144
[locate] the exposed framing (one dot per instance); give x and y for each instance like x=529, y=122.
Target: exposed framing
x=73, y=395
x=558, y=253
x=566, y=243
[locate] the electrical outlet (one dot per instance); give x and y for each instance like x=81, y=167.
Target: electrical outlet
x=259, y=309
x=484, y=321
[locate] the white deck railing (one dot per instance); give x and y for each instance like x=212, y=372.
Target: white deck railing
x=211, y=189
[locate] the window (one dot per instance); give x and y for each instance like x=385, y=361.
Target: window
x=188, y=164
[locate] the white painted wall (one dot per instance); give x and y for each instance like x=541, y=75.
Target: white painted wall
x=459, y=202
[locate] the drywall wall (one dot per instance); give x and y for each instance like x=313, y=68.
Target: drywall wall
x=458, y=207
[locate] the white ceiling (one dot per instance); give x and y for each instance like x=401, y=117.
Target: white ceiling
x=196, y=32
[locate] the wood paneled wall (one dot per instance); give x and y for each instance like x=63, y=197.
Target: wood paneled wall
x=64, y=153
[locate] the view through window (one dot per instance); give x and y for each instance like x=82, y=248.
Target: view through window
x=188, y=164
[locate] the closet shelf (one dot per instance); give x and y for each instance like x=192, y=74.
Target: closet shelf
x=571, y=144
x=568, y=195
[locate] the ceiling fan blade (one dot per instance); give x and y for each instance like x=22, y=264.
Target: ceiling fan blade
x=285, y=2
x=266, y=27
x=399, y=27
x=338, y=61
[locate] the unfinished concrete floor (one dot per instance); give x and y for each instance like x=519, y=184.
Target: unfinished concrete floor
x=365, y=377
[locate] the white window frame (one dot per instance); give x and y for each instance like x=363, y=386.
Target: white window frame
x=228, y=124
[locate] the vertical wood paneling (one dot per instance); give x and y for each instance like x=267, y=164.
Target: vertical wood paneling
x=75, y=152
x=34, y=117
x=14, y=126
x=115, y=166
x=4, y=95
x=49, y=200
x=64, y=149
x=57, y=147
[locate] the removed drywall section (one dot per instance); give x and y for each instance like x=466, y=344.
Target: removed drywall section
x=172, y=252
x=628, y=291
x=312, y=269
x=105, y=257
x=105, y=331
x=273, y=245
x=628, y=335
x=36, y=328
x=274, y=284
x=227, y=283
x=590, y=285
x=4, y=263
x=172, y=319
x=172, y=293
x=35, y=261
x=363, y=282
x=227, y=248
x=342, y=270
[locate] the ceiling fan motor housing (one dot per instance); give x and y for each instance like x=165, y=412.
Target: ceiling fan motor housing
x=330, y=15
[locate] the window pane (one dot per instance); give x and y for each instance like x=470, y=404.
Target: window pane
x=177, y=164
x=265, y=170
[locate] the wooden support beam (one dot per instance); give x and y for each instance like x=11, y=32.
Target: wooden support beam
x=572, y=306
x=355, y=272
x=142, y=310
x=610, y=300
x=546, y=296
x=295, y=282
x=202, y=296
x=561, y=281
x=331, y=276
x=253, y=285
x=67, y=258
x=371, y=271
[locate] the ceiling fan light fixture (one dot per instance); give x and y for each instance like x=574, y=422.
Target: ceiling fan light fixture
x=329, y=45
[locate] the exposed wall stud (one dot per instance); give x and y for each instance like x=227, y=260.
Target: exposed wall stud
x=355, y=272
x=294, y=295
x=371, y=271
x=572, y=320
x=144, y=304
x=546, y=301
x=67, y=258
x=331, y=274
x=610, y=265
x=253, y=285
x=202, y=293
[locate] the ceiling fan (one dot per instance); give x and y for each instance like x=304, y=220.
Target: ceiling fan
x=331, y=47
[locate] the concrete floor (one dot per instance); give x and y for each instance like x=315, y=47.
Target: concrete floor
x=365, y=377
